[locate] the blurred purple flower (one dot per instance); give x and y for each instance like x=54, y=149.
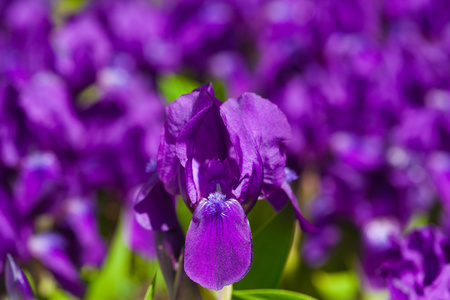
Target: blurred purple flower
x=379, y=238
x=39, y=180
x=51, y=249
x=47, y=105
x=122, y=130
x=81, y=219
x=17, y=285
x=27, y=47
x=148, y=44
x=82, y=48
x=421, y=269
x=316, y=248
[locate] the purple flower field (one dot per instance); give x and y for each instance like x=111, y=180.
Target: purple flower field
x=225, y=149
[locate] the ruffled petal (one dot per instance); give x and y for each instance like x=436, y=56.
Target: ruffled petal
x=270, y=131
x=218, y=243
x=245, y=153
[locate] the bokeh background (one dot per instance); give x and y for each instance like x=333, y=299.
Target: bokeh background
x=365, y=85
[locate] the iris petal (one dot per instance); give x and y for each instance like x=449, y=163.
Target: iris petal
x=218, y=243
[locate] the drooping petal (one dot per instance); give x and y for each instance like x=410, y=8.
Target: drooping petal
x=138, y=238
x=278, y=197
x=154, y=207
x=17, y=285
x=218, y=243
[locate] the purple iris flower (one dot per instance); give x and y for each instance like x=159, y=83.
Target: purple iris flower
x=221, y=157
x=421, y=268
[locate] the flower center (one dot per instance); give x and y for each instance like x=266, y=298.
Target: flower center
x=215, y=204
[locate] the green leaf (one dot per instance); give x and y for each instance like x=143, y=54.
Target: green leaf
x=219, y=90
x=259, y=214
x=173, y=86
x=267, y=294
x=114, y=280
x=183, y=214
x=151, y=290
x=271, y=245
x=337, y=285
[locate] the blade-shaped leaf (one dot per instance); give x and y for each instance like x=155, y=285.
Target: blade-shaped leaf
x=267, y=294
x=115, y=273
x=151, y=290
x=271, y=245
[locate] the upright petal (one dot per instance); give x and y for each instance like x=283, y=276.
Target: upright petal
x=270, y=131
x=246, y=154
x=218, y=243
x=178, y=114
x=203, y=138
x=17, y=285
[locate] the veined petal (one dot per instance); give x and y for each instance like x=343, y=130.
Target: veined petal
x=269, y=129
x=246, y=152
x=218, y=243
x=204, y=137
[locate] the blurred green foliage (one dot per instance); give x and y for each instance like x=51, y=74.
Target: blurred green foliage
x=271, y=245
x=172, y=86
x=266, y=294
